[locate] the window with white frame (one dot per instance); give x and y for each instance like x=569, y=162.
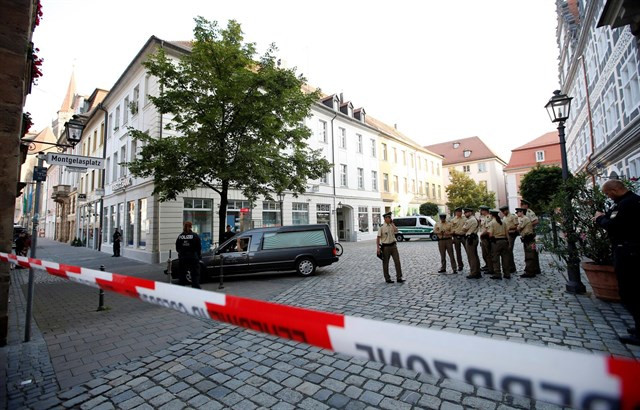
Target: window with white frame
x=373, y=147
x=324, y=179
x=405, y=185
x=136, y=100
x=322, y=131
x=439, y=192
x=343, y=175
x=363, y=219
x=115, y=166
x=539, y=156
x=360, y=178
x=404, y=157
x=419, y=163
x=421, y=188
x=466, y=168
x=125, y=116
x=602, y=43
x=342, y=138
x=359, y=140
x=634, y=167
x=395, y=155
x=426, y=184
x=374, y=180
x=375, y=218
x=147, y=85
x=591, y=63
x=482, y=167
x=466, y=153
x=110, y=130
x=384, y=151
x=630, y=82
x=413, y=163
x=598, y=125
x=107, y=170
x=610, y=111
x=385, y=182
x=300, y=213
x=271, y=213
x=116, y=125
x=396, y=187
x=413, y=186
x=123, y=158
x=433, y=190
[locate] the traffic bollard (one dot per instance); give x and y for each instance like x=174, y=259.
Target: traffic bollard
x=101, y=296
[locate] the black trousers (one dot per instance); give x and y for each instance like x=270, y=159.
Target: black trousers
x=116, y=248
x=192, y=265
x=625, y=259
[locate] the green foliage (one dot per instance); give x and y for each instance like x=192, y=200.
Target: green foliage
x=239, y=118
x=464, y=191
x=429, y=208
x=576, y=221
x=539, y=185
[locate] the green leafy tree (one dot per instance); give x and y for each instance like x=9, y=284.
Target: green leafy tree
x=464, y=191
x=239, y=119
x=429, y=208
x=539, y=185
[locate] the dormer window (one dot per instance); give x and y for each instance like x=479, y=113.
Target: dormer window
x=466, y=153
x=456, y=145
x=347, y=109
x=359, y=115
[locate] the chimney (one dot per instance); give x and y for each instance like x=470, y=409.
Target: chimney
x=395, y=126
x=341, y=98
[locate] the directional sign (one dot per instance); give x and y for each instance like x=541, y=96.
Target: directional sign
x=40, y=174
x=74, y=160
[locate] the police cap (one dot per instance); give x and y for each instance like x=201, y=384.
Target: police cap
x=521, y=210
x=468, y=209
x=387, y=214
x=524, y=201
x=504, y=208
x=483, y=208
x=494, y=211
x=458, y=209
x=442, y=215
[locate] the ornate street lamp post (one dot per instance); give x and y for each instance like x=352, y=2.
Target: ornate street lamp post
x=281, y=199
x=558, y=109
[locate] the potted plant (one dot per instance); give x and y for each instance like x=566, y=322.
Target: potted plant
x=592, y=242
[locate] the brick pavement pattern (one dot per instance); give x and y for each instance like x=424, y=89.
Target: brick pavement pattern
x=198, y=364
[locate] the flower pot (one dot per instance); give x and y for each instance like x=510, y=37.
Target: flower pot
x=603, y=281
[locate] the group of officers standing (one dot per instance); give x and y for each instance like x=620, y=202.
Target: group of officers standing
x=496, y=230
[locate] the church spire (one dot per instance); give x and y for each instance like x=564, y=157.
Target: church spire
x=67, y=103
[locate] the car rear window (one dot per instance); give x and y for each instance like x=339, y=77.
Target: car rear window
x=279, y=240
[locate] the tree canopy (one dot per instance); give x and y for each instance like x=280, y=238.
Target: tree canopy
x=464, y=191
x=539, y=185
x=239, y=121
x=429, y=208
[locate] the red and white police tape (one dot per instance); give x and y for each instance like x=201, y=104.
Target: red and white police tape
x=563, y=377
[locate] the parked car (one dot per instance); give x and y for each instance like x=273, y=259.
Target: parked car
x=299, y=248
x=417, y=226
x=17, y=230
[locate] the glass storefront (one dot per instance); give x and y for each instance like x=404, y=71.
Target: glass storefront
x=323, y=214
x=131, y=222
x=143, y=223
x=200, y=213
x=271, y=214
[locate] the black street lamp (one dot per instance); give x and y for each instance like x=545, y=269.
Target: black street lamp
x=74, y=129
x=558, y=109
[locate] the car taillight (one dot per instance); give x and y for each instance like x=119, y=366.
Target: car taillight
x=335, y=252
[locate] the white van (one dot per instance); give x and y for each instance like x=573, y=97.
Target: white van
x=417, y=226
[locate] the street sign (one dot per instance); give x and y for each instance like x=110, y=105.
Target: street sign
x=40, y=174
x=244, y=210
x=75, y=160
x=82, y=197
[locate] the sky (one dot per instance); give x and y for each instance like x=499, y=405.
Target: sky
x=440, y=70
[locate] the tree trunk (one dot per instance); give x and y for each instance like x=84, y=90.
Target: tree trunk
x=222, y=211
x=15, y=34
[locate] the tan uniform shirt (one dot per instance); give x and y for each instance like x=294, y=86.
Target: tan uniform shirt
x=524, y=226
x=443, y=229
x=387, y=233
x=497, y=230
x=532, y=216
x=457, y=224
x=470, y=226
x=511, y=221
x=485, y=220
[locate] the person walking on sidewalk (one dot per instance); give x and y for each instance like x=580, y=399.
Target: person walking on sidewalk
x=457, y=224
x=386, y=244
x=117, y=238
x=621, y=222
x=443, y=230
x=499, y=246
x=189, y=255
x=470, y=229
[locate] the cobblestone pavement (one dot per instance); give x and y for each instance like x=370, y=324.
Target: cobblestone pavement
x=141, y=356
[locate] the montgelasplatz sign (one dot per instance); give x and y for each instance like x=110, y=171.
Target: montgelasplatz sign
x=76, y=161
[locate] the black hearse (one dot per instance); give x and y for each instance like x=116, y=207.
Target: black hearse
x=298, y=248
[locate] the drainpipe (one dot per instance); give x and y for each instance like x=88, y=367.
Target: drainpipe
x=333, y=163
x=105, y=134
x=591, y=137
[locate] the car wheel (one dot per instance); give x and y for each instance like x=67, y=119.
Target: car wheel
x=305, y=266
x=399, y=237
x=434, y=237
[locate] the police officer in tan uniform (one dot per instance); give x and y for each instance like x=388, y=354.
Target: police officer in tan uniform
x=528, y=237
x=457, y=223
x=485, y=244
x=444, y=230
x=386, y=240
x=511, y=222
x=534, y=222
x=470, y=229
x=499, y=245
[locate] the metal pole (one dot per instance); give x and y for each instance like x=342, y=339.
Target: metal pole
x=101, y=296
x=574, y=284
x=281, y=211
x=169, y=267
x=221, y=286
x=34, y=241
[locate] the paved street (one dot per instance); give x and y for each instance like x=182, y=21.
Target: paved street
x=136, y=355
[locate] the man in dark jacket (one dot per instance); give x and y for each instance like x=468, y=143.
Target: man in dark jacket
x=117, y=238
x=189, y=255
x=621, y=222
